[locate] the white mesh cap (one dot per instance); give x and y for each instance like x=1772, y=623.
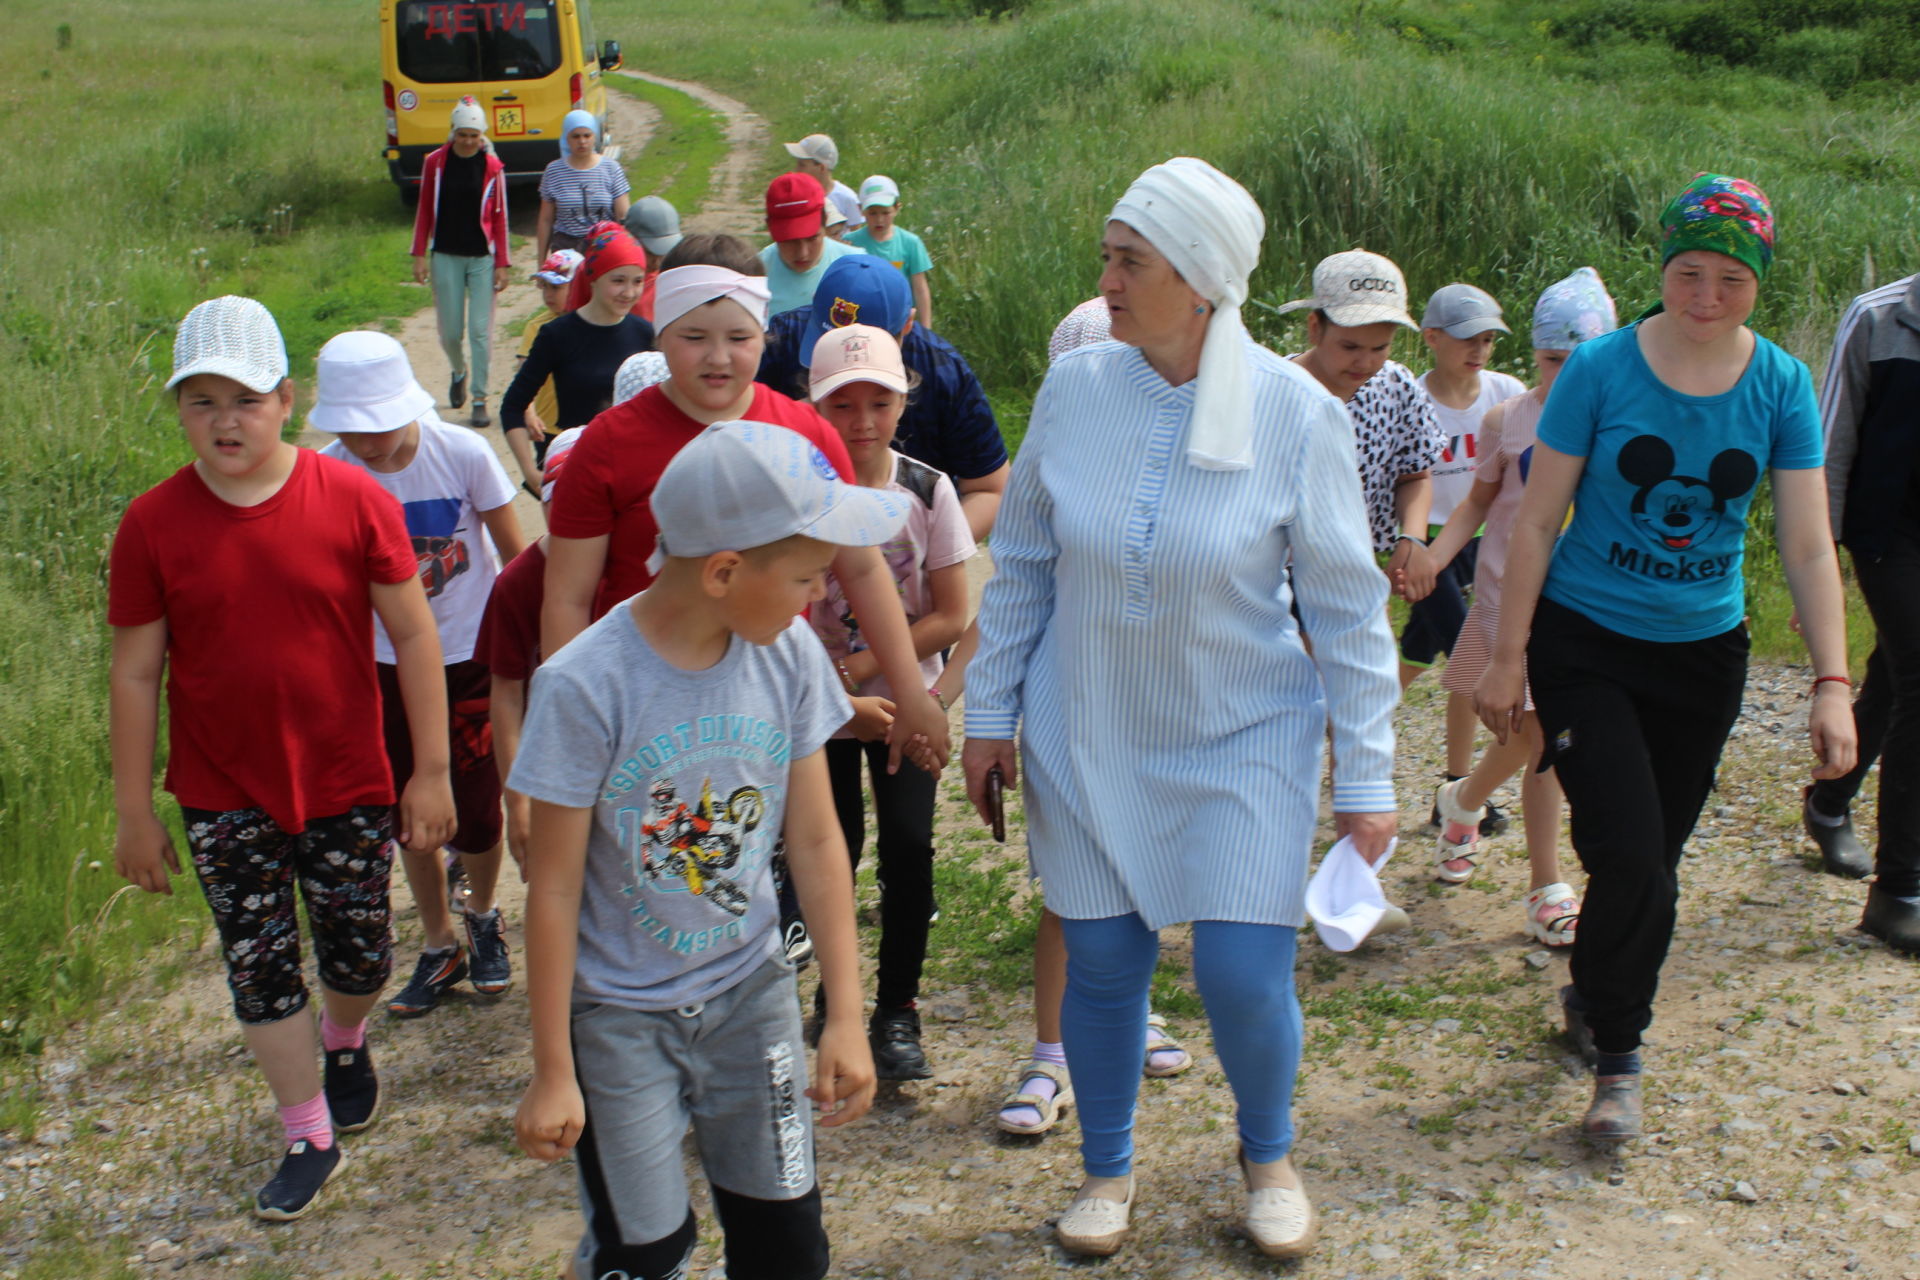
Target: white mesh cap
x=638, y=372
x=234, y=337
x=740, y=485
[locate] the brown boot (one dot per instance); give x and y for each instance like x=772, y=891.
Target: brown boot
x=1614, y=1115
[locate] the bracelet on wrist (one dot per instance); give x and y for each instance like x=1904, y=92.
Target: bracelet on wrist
x=1407, y=537
x=846, y=679
x=940, y=698
x=1839, y=680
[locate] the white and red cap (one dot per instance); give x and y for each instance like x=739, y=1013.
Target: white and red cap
x=559, y=266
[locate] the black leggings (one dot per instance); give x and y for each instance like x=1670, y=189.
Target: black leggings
x=903, y=814
x=1634, y=729
x=1887, y=714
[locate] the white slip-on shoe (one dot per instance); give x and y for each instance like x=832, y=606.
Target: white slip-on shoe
x=1281, y=1220
x=1094, y=1226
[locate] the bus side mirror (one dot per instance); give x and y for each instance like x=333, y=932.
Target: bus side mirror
x=610, y=55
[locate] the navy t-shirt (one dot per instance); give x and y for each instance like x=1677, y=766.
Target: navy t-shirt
x=582, y=358
x=947, y=424
x=1659, y=525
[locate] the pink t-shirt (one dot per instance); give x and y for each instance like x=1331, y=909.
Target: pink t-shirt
x=935, y=536
x=1506, y=454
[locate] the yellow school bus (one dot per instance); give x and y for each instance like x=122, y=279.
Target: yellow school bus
x=527, y=62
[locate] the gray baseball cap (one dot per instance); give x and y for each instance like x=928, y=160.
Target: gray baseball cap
x=655, y=224
x=740, y=485
x=1462, y=311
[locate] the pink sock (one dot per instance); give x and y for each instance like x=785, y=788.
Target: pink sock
x=309, y=1121
x=334, y=1036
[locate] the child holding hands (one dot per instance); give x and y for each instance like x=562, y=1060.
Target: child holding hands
x=251, y=578
x=668, y=748
x=859, y=385
x=1569, y=313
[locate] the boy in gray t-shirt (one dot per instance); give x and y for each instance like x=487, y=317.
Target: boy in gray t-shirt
x=666, y=750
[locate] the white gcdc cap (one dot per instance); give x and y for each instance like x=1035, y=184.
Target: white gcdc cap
x=815, y=146
x=1356, y=288
x=362, y=382
x=234, y=337
x=740, y=485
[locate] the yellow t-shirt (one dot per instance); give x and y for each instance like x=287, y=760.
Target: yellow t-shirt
x=544, y=402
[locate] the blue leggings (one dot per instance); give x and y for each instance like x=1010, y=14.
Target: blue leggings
x=1245, y=976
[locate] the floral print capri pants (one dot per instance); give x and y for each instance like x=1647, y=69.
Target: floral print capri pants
x=248, y=867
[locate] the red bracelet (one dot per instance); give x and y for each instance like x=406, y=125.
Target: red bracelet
x=1820, y=680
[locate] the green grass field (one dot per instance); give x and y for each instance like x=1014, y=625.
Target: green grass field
x=164, y=152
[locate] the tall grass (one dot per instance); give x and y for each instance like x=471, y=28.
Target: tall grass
x=1493, y=154
x=163, y=153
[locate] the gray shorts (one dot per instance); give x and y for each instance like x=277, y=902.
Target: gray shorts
x=734, y=1067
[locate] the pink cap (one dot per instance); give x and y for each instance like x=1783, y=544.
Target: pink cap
x=856, y=353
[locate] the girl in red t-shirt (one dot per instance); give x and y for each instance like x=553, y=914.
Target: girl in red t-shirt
x=711, y=329
x=250, y=579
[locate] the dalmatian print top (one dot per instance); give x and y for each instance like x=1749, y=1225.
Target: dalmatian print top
x=1395, y=433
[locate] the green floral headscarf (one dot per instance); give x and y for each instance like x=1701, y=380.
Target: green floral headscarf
x=1725, y=215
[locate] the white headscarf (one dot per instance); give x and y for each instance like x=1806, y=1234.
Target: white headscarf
x=1208, y=227
x=469, y=114
x=680, y=290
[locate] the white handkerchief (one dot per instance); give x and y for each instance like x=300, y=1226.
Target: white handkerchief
x=1344, y=898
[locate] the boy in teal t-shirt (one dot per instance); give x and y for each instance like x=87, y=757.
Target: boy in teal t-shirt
x=880, y=201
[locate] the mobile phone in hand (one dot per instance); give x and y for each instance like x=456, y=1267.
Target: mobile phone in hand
x=997, y=802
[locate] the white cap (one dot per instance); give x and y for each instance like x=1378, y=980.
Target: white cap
x=879, y=189
x=234, y=337
x=830, y=215
x=363, y=383
x=1356, y=288
x=815, y=146
x=740, y=485
x=636, y=373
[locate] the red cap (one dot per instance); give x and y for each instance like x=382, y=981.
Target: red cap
x=794, y=201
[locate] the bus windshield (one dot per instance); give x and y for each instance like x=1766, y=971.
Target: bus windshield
x=466, y=40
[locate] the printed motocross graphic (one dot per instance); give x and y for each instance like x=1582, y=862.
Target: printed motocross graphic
x=434, y=526
x=698, y=845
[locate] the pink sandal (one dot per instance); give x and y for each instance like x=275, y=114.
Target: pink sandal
x=1553, y=913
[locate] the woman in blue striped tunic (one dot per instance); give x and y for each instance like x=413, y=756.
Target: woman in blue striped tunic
x=1181, y=490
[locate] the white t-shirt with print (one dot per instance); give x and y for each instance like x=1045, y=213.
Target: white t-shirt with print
x=935, y=536
x=1453, y=474
x=453, y=477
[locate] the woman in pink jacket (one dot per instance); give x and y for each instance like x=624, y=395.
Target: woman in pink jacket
x=462, y=222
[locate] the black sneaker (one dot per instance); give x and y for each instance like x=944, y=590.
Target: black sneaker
x=797, y=943
x=436, y=972
x=1494, y=821
x=293, y=1189
x=352, y=1089
x=457, y=390
x=492, y=968
x=894, y=1036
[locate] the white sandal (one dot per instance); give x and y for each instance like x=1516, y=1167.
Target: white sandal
x=1049, y=1109
x=1281, y=1220
x=1470, y=853
x=1094, y=1226
x=1553, y=913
